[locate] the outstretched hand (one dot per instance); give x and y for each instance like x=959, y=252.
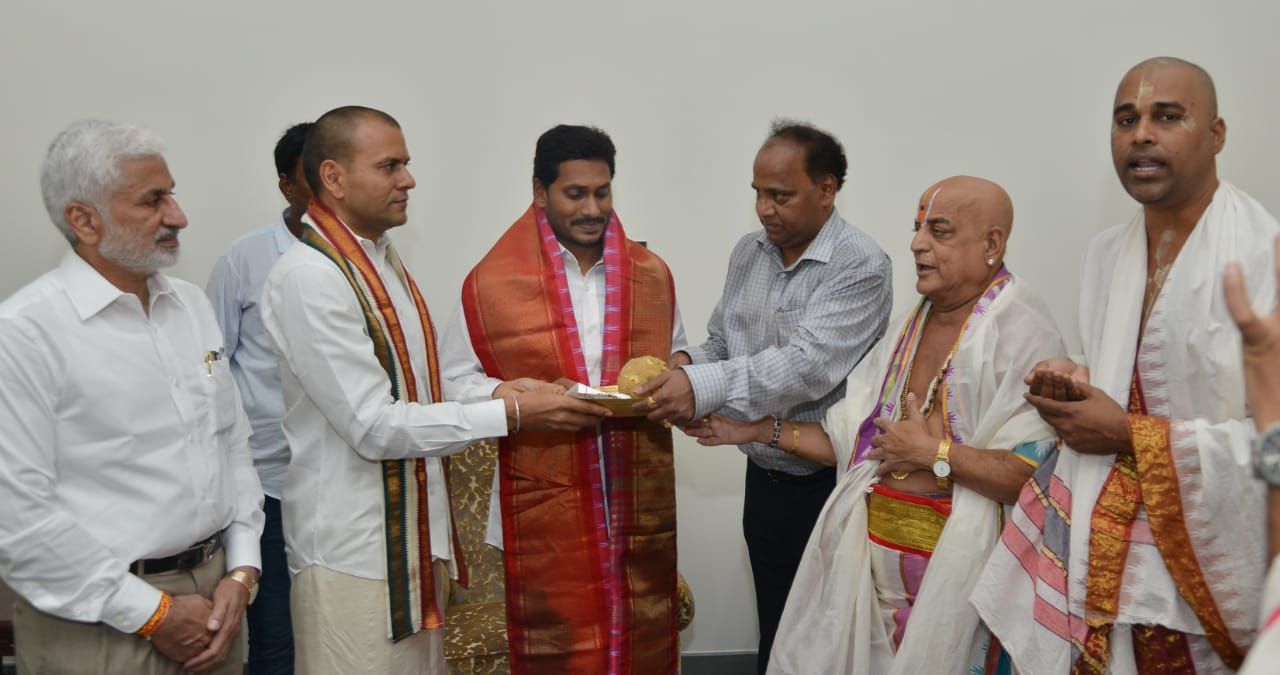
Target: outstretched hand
x=668, y=398
x=720, y=430
x=548, y=410
x=1088, y=420
x=1054, y=379
x=1260, y=336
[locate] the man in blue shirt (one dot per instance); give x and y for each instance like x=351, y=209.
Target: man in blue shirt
x=235, y=289
x=805, y=297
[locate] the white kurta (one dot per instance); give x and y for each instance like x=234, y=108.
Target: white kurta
x=1190, y=363
x=831, y=623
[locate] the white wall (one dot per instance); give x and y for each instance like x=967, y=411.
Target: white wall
x=1018, y=91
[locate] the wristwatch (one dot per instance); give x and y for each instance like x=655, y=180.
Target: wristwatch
x=942, y=464
x=247, y=580
x=1266, y=455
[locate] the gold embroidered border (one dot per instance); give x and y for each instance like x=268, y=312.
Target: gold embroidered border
x=1163, y=499
x=902, y=523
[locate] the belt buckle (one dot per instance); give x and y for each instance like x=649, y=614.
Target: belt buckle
x=207, y=548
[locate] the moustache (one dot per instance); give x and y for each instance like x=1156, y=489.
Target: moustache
x=166, y=234
x=600, y=220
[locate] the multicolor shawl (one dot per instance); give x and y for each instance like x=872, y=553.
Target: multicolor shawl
x=588, y=520
x=832, y=621
x=410, y=583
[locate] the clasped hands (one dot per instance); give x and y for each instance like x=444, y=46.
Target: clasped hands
x=198, y=632
x=1084, y=416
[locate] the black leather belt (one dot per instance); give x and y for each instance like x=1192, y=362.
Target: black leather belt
x=198, y=554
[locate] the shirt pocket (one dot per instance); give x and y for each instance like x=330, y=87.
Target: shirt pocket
x=219, y=404
x=785, y=323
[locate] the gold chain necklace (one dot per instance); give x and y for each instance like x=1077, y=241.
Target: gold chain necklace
x=931, y=393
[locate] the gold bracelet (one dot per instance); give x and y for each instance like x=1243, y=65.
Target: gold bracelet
x=157, y=617
x=795, y=437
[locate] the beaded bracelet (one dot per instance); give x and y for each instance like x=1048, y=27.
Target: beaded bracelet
x=157, y=617
x=777, y=431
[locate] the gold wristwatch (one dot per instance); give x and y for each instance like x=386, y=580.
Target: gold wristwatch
x=942, y=464
x=247, y=580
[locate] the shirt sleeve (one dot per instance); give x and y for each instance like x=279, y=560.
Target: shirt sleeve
x=841, y=321
x=223, y=290
x=678, y=339
x=45, y=555
x=460, y=368
x=317, y=326
x=714, y=348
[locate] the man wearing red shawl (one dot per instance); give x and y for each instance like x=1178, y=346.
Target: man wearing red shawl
x=587, y=519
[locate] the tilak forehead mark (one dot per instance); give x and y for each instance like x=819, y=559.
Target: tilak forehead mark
x=925, y=210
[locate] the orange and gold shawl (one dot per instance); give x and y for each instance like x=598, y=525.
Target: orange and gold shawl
x=589, y=519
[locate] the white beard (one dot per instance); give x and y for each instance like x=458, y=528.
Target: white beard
x=134, y=253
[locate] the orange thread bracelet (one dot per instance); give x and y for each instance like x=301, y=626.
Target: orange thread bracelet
x=157, y=617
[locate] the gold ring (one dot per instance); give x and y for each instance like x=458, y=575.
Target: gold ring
x=652, y=403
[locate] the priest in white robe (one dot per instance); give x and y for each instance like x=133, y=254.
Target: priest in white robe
x=884, y=581
x=1140, y=549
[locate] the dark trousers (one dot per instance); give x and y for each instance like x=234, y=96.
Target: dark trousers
x=778, y=514
x=270, y=625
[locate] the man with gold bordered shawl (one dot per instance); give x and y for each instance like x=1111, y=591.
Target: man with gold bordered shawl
x=587, y=518
x=1140, y=549
x=366, y=507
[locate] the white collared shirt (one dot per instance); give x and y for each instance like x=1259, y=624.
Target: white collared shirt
x=235, y=289
x=464, y=376
x=341, y=422
x=119, y=441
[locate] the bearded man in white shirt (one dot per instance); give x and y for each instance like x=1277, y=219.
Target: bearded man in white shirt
x=366, y=505
x=131, y=507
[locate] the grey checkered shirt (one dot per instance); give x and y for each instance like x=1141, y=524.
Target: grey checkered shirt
x=782, y=340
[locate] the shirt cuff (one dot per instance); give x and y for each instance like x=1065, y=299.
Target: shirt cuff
x=709, y=387
x=696, y=354
x=241, y=543
x=132, y=605
x=488, y=418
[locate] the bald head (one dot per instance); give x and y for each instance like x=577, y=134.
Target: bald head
x=1166, y=134
x=962, y=226
x=1201, y=84
x=974, y=201
x=333, y=137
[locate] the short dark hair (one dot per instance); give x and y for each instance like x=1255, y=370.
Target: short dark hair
x=289, y=148
x=823, y=154
x=565, y=142
x=330, y=138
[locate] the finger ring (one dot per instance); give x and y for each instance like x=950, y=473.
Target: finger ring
x=651, y=402
x=666, y=424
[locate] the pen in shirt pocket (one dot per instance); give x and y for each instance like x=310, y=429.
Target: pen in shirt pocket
x=210, y=357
